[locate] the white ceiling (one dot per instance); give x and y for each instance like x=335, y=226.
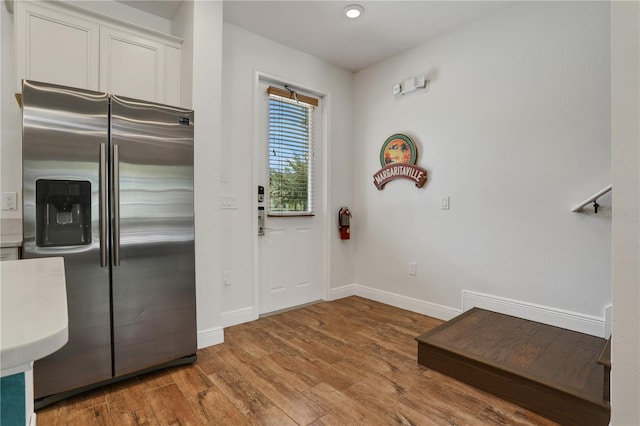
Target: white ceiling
x=319, y=28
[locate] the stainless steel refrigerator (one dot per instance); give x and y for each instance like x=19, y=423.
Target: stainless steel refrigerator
x=108, y=185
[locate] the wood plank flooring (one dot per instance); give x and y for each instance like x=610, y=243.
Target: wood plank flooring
x=346, y=362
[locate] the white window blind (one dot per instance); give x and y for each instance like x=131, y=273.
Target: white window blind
x=291, y=155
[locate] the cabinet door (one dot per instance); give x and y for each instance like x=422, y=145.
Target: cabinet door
x=172, y=69
x=131, y=65
x=55, y=47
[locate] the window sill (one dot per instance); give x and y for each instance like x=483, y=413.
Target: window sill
x=293, y=214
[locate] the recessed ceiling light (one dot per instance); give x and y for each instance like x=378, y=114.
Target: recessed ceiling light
x=353, y=11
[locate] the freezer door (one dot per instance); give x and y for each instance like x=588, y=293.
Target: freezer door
x=64, y=140
x=154, y=316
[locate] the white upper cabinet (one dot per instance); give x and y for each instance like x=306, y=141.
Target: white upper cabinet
x=61, y=44
x=172, y=76
x=131, y=65
x=55, y=47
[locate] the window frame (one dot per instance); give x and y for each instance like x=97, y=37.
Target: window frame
x=289, y=96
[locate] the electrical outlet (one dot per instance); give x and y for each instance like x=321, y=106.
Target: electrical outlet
x=413, y=268
x=227, y=277
x=9, y=201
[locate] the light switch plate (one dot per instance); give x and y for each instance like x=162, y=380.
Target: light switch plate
x=413, y=268
x=444, y=203
x=229, y=202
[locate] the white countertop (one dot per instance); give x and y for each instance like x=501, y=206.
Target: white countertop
x=33, y=311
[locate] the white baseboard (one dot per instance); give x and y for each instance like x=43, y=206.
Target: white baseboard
x=210, y=337
x=215, y=335
x=403, y=302
x=342, y=292
x=607, y=321
x=575, y=321
x=238, y=316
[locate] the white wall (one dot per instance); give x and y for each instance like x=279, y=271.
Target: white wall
x=515, y=128
x=11, y=117
x=207, y=93
x=199, y=24
x=244, y=53
x=625, y=112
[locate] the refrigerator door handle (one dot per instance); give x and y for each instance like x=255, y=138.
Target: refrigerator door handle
x=103, y=205
x=116, y=206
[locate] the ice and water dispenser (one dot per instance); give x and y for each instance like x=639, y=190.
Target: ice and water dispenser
x=63, y=212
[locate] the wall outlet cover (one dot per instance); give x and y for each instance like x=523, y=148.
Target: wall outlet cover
x=9, y=201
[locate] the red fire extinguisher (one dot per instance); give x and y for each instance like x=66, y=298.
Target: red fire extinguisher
x=344, y=217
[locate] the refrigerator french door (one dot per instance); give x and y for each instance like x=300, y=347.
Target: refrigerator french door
x=108, y=185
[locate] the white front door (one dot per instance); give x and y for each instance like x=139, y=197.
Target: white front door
x=290, y=251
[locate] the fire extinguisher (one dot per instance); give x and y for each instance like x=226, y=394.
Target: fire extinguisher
x=344, y=217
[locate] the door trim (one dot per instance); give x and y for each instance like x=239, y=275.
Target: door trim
x=324, y=190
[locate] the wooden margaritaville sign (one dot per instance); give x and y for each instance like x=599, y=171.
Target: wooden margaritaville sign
x=398, y=157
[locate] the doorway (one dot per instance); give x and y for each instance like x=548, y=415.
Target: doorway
x=289, y=266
